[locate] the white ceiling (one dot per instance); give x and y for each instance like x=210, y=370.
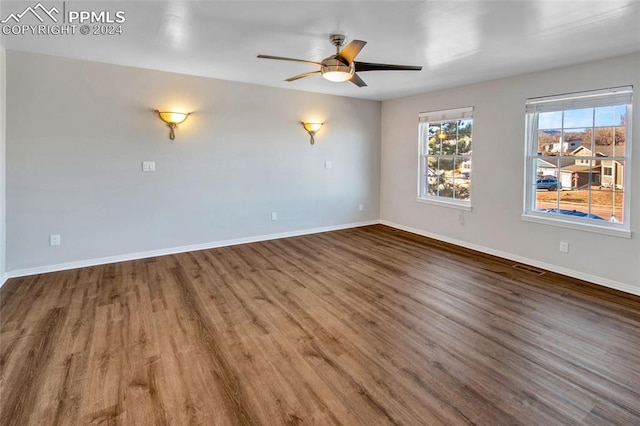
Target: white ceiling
x=456, y=42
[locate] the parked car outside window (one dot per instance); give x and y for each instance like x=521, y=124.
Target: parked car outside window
x=548, y=183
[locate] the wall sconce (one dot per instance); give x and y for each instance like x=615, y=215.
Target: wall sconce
x=172, y=119
x=312, y=128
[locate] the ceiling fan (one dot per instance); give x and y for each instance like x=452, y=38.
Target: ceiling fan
x=341, y=66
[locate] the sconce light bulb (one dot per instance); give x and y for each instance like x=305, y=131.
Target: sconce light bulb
x=311, y=128
x=172, y=119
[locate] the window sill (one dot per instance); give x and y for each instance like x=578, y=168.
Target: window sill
x=453, y=204
x=574, y=224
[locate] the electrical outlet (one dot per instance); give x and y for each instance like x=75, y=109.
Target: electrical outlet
x=564, y=247
x=54, y=240
x=274, y=215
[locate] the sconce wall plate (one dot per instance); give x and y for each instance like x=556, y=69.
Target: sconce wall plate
x=172, y=119
x=312, y=128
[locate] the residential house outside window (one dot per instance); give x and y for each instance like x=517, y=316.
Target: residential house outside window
x=444, y=160
x=578, y=160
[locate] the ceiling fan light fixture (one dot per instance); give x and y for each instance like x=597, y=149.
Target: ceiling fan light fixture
x=337, y=76
x=334, y=70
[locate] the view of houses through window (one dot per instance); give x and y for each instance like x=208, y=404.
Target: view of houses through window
x=580, y=159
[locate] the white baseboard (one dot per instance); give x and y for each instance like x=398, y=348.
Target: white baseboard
x=174, y=250
x=163, y=252
x=605, y=282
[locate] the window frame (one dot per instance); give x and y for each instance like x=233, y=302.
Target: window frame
x=566, y=102
x=424, y=120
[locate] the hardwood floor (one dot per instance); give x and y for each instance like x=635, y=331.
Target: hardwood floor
x=361, y=326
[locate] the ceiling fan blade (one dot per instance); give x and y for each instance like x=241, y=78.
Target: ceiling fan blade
x=355, y=79
x=282, y=58
x=369, y=66
x=351, y=50
x=306, y=74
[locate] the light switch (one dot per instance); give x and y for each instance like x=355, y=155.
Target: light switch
x=328, y=165
x=148, y=166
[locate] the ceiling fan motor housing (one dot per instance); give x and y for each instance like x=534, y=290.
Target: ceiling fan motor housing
x=334, y=68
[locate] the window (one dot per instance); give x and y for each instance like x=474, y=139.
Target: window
x=577, y=160
x=444, y=165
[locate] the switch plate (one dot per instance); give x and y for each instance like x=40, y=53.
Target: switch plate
x=361, y=207
x=328, y=165
x=148, y=166
x=564, y=247
x=274, y=215
x=54, y=240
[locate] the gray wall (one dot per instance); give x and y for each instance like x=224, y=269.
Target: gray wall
x=78, y=131
x=3, y=127
x=494, y=225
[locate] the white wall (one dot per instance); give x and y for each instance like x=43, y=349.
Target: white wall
x=2, y=164
x=494, y=225
x=78, y=131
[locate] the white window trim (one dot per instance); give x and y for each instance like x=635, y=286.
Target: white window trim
x=596, y=98
x=548, y=219
x=441, y=115
x=450, y=203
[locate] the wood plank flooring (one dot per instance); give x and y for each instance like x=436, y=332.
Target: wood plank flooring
x=366, y=326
